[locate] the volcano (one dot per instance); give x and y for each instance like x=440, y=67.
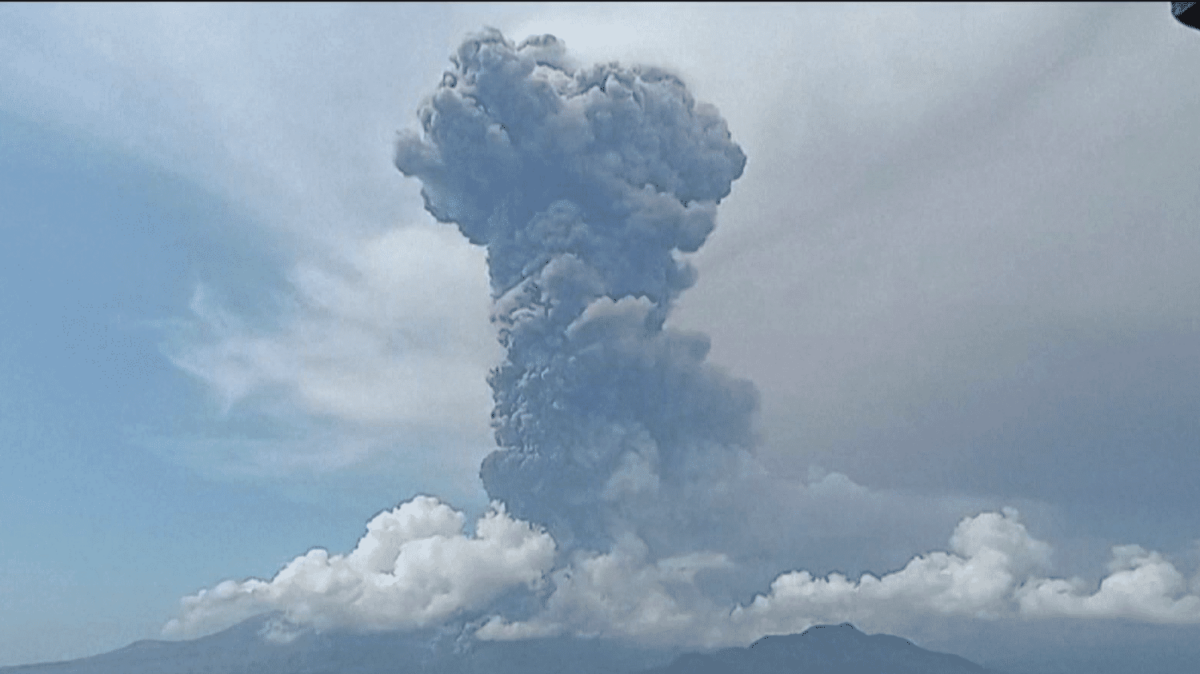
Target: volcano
x=254, y=647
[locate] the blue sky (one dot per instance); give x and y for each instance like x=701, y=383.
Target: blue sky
x=92, y=269
x=959, y=267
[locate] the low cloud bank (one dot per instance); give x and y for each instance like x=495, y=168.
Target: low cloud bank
x=992, y=570
x=416, y=567
x=1141, y=586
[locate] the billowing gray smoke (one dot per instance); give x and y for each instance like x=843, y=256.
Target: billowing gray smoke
x=585, y=185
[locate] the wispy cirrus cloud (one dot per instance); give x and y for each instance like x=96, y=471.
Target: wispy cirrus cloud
x=375, y=360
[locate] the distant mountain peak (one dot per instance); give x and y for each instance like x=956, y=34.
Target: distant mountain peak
x=817, y=634
x=826, y=631
x=829, y=649
x=843, y=627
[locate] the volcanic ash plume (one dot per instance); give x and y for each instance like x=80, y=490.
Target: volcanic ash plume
x=585, y=185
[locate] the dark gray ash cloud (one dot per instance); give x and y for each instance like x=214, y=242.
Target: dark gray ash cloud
x=585, y=185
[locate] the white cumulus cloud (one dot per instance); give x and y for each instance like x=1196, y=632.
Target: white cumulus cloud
x=1141, y=586
x=414, y=567
x=991, y=554
x=993, y=570
x=621, y=593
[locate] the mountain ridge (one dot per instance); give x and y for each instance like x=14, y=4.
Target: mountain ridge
x=245, y=649
x=840, y=649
